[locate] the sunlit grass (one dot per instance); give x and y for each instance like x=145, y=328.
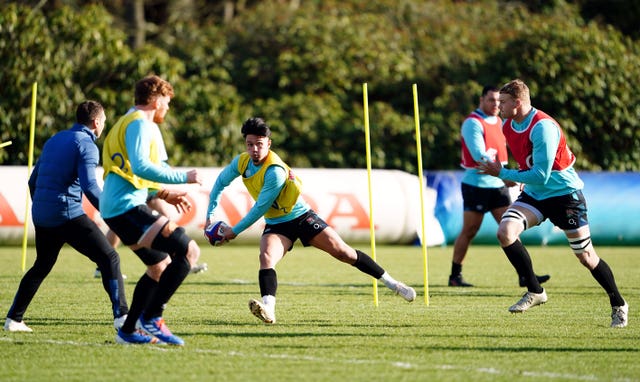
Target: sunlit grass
x=328, y=328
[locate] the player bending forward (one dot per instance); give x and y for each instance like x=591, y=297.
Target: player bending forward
x=288, y=217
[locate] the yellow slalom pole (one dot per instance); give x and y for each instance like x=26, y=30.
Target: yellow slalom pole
x=4, y=144
x=32, y=127
x=421, y=181
x=372, y=229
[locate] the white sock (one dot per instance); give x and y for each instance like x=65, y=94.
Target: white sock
x=388, y=281
x=269, y=301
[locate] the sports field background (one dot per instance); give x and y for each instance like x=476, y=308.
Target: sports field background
x=328, y=328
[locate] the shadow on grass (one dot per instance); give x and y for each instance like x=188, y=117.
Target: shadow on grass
x=527, y=349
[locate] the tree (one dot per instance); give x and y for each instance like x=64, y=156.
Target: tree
x=136, y=22
x=301, y=65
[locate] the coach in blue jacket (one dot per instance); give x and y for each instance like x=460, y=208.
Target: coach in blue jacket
x=65, y=170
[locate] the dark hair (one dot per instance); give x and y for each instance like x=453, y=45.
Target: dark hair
x=150, y=87
x=87, y=112
x=255, y=126
x=489, y=88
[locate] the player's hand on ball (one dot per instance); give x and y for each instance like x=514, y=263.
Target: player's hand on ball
x=218, y=233
x=490, y=168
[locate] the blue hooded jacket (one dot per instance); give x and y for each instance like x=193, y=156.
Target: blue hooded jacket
x=66, y=168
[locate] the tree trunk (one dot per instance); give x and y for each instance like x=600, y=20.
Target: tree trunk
x=137, y=24
x=229, y=10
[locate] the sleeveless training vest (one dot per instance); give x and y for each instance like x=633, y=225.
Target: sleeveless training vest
x=522, y=148
x=115, y=157
x=288, y=195
x=494, y=142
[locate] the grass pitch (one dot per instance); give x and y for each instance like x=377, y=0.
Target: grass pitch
x=328, y=328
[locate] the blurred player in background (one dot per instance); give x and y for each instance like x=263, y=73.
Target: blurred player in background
x=276, y=191
x=553, y=190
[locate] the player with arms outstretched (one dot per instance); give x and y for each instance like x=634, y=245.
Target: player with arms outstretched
x=288, y=217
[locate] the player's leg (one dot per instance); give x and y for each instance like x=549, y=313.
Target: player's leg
x=85, y=237
x=497, y=214
x=471, y=222
x=516, y=220
x=112, y=238
x=519, y=217
x=184, y=252
x=317, y=233
x=114, y=241
x=476, y=201
x=137, y=228
x=580, y=242
x=146, y=286
x=273, y=247
x=49, y=241
x=166, y=209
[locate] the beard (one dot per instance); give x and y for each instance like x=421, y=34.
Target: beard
x=157, y=118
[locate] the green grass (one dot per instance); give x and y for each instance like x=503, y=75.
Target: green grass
x=328, y=327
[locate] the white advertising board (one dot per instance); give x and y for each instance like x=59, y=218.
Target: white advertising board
x=341, y=197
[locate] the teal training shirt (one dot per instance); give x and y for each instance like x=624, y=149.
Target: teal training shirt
x=541, y=182
x=119, y=196
x=274, y=179
x=472, y=133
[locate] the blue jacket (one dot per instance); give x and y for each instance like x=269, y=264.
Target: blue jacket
x=66, y=168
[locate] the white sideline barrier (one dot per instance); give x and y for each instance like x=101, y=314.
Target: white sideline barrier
x=340, y=196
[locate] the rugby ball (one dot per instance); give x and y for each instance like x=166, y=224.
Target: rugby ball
x=215, y=232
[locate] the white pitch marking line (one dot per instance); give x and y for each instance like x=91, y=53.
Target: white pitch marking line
x=353, y=361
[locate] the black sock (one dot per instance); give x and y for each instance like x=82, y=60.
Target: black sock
x=521, y=261
x=456, y=269
x=268, y=280
x=145, y=287
x=365, y=264
x=602, y=273
x=169, y=282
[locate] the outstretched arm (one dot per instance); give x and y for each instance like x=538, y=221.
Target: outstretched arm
x=226, y=176
x=274, y=180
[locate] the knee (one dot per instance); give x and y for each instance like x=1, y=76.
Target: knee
x=179, y=244
x=589, y=259
x=507, y=235
x=155, y=271
x=503, y=236
x=512, y=224
x=583, y=249
x=114, y=258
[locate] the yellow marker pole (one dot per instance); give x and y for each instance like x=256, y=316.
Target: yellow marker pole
x=421, y=181
x=372, y=228
x=32, y=127
x=4, y=144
